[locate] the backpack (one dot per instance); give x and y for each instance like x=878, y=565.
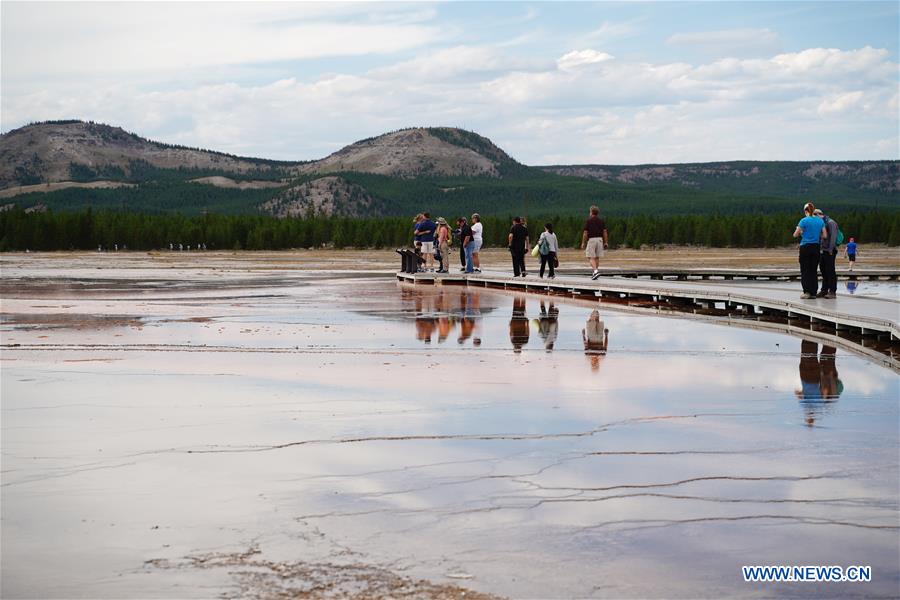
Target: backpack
x=544, y=246
x=839, y=238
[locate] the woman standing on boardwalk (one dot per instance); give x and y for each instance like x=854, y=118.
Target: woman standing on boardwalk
x=810, y=230
x=548, y=246
x=478, y=241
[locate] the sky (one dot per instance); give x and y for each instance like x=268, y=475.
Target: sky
x=549, y=82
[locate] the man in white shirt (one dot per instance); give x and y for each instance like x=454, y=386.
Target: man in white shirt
x=477, y=239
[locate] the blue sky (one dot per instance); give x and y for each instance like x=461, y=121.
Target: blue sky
x=550, y=82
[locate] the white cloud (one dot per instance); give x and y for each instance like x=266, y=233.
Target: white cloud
x=839, y=102
x=581, y=58
x=48, y=39
x=453, y=62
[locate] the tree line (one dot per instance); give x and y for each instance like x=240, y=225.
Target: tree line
x=88, y=229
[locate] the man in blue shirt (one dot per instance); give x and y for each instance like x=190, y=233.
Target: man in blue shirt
x=425, y=233
x=810, y=230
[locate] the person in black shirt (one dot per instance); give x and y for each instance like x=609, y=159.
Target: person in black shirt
x=467, y=242
x=518, y=246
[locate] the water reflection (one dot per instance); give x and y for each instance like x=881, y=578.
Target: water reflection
x=518, y=325
x=440, y=312
x=819, y=381
x=596, y=339
x=548, y=324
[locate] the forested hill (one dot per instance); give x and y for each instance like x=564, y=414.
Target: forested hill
x=71, y=165
x=780, y=179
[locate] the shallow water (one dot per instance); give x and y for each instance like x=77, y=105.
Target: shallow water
x=192, y=435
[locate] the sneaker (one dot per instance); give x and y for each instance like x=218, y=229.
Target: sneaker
x=477, y=270
x=822, y=294
x=524, y=274
x=462, y=270
x=805, y=296
x=596, y=275
x=552, y=277
x=830, y=296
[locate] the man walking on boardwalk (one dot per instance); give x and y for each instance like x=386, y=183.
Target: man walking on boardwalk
x=518, y=246
x=594, y=240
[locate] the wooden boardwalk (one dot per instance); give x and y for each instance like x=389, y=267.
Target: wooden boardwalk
x=866, y=324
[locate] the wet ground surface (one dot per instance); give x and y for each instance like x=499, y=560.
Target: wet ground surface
x=255, y=432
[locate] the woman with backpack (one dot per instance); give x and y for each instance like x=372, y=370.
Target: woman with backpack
x=548, y=246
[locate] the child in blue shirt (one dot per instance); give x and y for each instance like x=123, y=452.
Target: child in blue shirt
x=851, y=252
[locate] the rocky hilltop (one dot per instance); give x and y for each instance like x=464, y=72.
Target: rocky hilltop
x=419, y=152
x=59, y=151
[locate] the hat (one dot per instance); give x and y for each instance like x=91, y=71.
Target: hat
x=818, y=212
x=441, y=221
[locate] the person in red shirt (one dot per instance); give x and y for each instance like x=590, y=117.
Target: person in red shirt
x=594, y=240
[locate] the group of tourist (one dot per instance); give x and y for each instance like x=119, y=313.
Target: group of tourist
x=433, y=239
x=820, y=238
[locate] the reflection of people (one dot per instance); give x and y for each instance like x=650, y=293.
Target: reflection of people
x=425, y=327
x=851, y=286
x=819, y=381
x=548, y=325
x=596, y=339
x=518, y=325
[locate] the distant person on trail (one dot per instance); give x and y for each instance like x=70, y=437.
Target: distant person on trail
x=465, y=236
x=478, y=238
x=594, y=240
x=518, y=246
x=811, y=231
x=548, y=246
x=826, y=259
x=443, y=242
x=851, y=252
x=425, y=233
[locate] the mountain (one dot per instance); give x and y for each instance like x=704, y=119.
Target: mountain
x=67, y=165
x=57, y=151
x=419, y=152
x=781, y=178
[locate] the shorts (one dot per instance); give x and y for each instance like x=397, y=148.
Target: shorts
x=427, y=247
x=594, y=248
x=476, y=245
x=851, y=257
